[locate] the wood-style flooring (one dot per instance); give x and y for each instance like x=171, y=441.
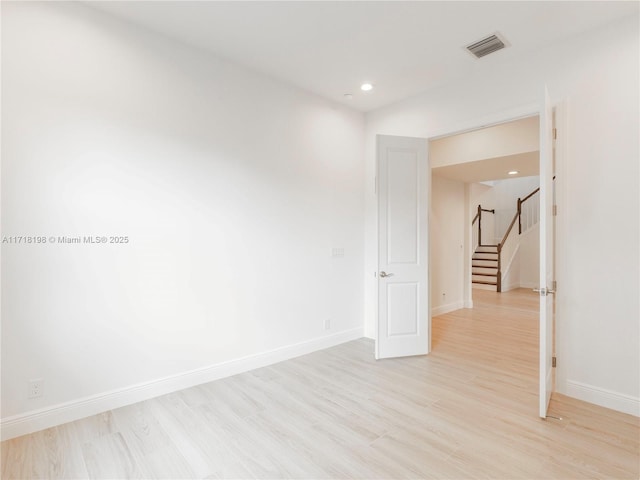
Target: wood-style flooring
x=467, y=410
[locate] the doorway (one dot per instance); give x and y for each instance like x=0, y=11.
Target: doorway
x=484, y=203
x=418, y=320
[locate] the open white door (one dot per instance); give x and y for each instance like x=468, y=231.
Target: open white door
x=403, y=300
x=546, y=254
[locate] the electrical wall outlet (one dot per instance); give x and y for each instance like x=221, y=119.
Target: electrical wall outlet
x=35, y=388
x=327, y=324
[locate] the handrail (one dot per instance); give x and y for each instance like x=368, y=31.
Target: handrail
x=499, y=248
x=530, y=195
x=478, y=217
x=504, y=239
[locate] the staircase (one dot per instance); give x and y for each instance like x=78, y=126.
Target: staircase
x=484, y=267
x=486, y=262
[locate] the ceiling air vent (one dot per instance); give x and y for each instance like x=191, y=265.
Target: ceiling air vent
x=488, y=45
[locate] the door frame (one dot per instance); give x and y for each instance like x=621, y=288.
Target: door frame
x=516, y=113
x=560, y=123
x=561, y=109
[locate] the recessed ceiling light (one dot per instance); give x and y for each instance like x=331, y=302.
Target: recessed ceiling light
x=366, y=87
x=513, y=172
x=348, y=96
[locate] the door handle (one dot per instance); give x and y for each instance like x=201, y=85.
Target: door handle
x=385, y=274
x=544, y=291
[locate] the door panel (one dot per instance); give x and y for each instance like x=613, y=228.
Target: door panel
x=402, y=326
x=402, y=305
x=402, y=207
x=547, y=295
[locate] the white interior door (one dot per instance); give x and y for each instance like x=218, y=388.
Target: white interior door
x=546, y=253
x=403, y=300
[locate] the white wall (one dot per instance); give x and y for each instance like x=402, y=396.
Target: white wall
x=447, y=245
x=232, y=188
x=597, y=300
x=502, y=198
x=485, y=196
x=529, y=254
x=506, y=194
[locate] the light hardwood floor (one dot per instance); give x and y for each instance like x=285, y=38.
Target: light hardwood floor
x=467, y=410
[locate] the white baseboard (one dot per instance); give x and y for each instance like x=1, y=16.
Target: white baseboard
x=604, y=398
x=76, y=409
x=449, y=307
x=511, y=286
x=468, y=304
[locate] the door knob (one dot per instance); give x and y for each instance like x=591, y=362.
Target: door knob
x=385, y=274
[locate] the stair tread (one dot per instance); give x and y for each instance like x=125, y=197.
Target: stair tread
x=485, y=274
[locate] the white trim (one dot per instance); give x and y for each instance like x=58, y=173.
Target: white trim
x=468, y=304
x=603, y=397
x=83, y=407
x=511, y=286
x=449, y=307
x=510, y=115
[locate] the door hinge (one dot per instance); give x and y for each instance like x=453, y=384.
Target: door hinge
x=555, y=210
x=555, y=133
x=553, y=362
x=554, y=286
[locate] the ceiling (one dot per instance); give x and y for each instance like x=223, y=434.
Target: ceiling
x=489, y=153
x=331, y=48
x=526, y=164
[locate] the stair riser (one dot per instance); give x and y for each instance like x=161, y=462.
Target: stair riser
x=483, y=278
x=487, y=250
x=490, y=271
x=483, y=263
x=485, y=256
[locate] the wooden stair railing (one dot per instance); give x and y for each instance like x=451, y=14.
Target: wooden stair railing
x=478, y=218
x=517, y=216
